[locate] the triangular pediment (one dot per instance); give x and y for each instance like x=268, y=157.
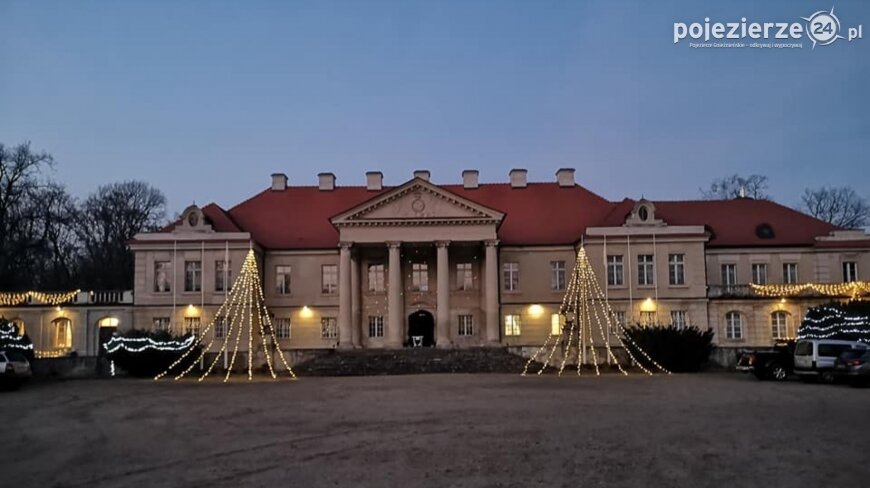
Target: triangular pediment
x=417, y=201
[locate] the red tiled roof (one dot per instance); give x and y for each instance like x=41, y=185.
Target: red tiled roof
x=540, y=214
x=734, y=223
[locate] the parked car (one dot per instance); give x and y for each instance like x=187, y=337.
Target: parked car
x=814, y=358
x=14, y=368
x=854, y=366
x=776, y=363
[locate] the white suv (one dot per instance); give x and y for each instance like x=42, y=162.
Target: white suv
x=14, y=368
x=814, y=358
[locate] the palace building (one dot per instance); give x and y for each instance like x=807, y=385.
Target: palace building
x=471, y=264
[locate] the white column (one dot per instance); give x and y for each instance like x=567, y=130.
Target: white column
x=344, y=297
x=355, y=311
x=491, y=301
x=442, y=322
x=395, y=322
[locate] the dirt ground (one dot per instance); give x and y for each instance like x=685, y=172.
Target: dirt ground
x=437, y=430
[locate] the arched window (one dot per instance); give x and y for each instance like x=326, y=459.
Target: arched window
x=108, y=322
x=19, y=326
x=733, y=325
x=779, y=325
x=62, y=333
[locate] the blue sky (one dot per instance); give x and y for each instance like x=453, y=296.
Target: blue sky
x=206, y=99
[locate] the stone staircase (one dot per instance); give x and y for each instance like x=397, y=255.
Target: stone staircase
x=365, y=362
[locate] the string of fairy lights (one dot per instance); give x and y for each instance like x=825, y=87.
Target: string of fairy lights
x=585, y=308
x=245, y=311
x=852, y=289
x=834, y=323
x=11, y=299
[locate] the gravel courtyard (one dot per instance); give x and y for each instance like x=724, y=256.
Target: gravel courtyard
x=437, y=430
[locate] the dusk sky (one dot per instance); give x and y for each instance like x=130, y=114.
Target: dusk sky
x=206, y=99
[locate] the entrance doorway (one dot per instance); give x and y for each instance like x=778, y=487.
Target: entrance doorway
x=421, y=325
x=107, y=327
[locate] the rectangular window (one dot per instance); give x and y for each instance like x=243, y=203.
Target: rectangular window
x=511, y=273
x=376, y=278
x=759, y=273
x=222, y=275
x=282, y=328
x=733, y=325
x=677, y=269
x=615, y=270
x=645, y=270
x=617, y=322
x=419, y=277
x=511, y=325
x=192, y=325
x=466, y=325
x=850, y=271
x=282, y=279
x=62, y=334
x=557, y=275
x=779, y=325
x=220, y=327
x=162, y=276
x=161, y=323
x=729, y=274
x=328, y=328
x=648, y=318
x=192, y=276
x=557, y=322
x=329, y=279
x=790, y=273
x=464, y=277
x=678, y=319
x=376, y=326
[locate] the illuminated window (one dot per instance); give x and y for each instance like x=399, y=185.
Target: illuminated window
x=419, y=277
x=328, y=328
x=557, y=323
x=511, y=273
x=376, y=326
x=557, y=275
x=220, y=327
x=282, y=279
x=192, y=325
x=729, y=274
x=108, y=322
x=779, y=325
x=282, y=328
x=329, y=279
x=62, y=337
x=679, y=319
x=162, y=276
x=192, y=276
x=466, y=325
x=464, y=276
x=222, y=275
x=677, y=269
x=161, y=323
x=376, y=277
x=511, y=325
x=19, y=326
x=648, y=318
x=790, y=273
x=850, y=271
x=645, y=270
x=615, y=270
x=759, y=273
x=733, y=325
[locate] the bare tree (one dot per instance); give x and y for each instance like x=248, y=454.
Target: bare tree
x=108, y=219
x=735, y=186
x=840, y=206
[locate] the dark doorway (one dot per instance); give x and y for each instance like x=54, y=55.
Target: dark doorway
x=106, y=333
x=421, y=324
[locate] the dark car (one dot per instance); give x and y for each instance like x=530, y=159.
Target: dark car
x=854, y=366
x=776, y=363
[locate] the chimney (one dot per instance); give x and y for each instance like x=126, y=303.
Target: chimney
x=470, y=179
x=518, y=178
x=565, y=177
x=279, y=182
x=326, y=181
x=423, y=174
x=374, y=180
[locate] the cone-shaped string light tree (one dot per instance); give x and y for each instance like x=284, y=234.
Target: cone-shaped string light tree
x=244, y=317
x=587, y=321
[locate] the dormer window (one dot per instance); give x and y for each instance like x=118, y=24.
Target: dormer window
x=764, y=231
x=193, y=219
x=643, y=213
